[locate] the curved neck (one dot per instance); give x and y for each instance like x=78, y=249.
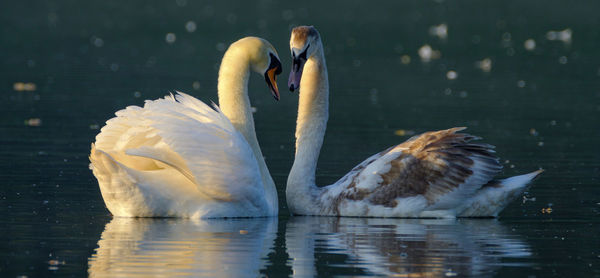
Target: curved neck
x=313, y=112
x=235, y=104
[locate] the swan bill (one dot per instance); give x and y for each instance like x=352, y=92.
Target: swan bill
x=297, y=67
x=295, y=75
x=272, y=83
x=271, y=76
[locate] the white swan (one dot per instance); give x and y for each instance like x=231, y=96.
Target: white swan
x=436, y=174
x=148, y=247
x=178, y=157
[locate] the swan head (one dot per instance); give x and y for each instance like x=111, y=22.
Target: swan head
x=303, y=44
x=263, y=59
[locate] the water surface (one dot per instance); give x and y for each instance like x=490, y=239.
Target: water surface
x=68, y=66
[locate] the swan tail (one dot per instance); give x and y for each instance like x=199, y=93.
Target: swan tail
x=119, y=191
x=494, y=196
x=521, y=181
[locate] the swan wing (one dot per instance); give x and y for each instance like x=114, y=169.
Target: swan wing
x=444, y=167
x=182, y=133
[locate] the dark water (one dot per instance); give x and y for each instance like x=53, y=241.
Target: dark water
x=68, y=65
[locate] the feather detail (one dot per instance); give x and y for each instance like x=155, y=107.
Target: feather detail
x=175, y=136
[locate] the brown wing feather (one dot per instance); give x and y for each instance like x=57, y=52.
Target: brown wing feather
x=433, y=164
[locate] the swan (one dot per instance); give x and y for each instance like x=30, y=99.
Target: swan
x=384, y=247
x=166, y=247
x=440, y=174
x=178, y=157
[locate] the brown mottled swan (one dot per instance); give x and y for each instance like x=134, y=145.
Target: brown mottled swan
x=440, y=174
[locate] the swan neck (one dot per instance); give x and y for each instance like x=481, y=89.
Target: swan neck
x=235, y=104
x=233, y=93
x=310, y=129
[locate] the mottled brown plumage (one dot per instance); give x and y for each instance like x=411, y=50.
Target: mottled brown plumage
x=431, y=164
x=300, y=33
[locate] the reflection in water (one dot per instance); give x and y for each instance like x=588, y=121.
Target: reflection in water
x=404, y=247
x=168, y=247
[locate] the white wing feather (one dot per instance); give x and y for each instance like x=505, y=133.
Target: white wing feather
x=183, y=134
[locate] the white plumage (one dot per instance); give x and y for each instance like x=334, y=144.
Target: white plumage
x=178, y=157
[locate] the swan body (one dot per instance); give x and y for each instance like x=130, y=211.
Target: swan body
x=178, y=157
x=441, y=174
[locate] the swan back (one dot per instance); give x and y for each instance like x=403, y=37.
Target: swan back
x=177, y=156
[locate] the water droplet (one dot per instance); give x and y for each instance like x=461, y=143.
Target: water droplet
x=484, y=65
x=521, y=83
x=451, y=75
x=404, y=132
x=529, y=45
x=427, y=53
x=196, y=85
x=170, y=38
x=190, y=26
x=24, y=86
x=98, y=42
x=533, y=132
x=220, y=47
x=33, y=122
x=564, y=35
x=563, y=60
x=440, y=31
x=450, y=273
x=405, y=59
